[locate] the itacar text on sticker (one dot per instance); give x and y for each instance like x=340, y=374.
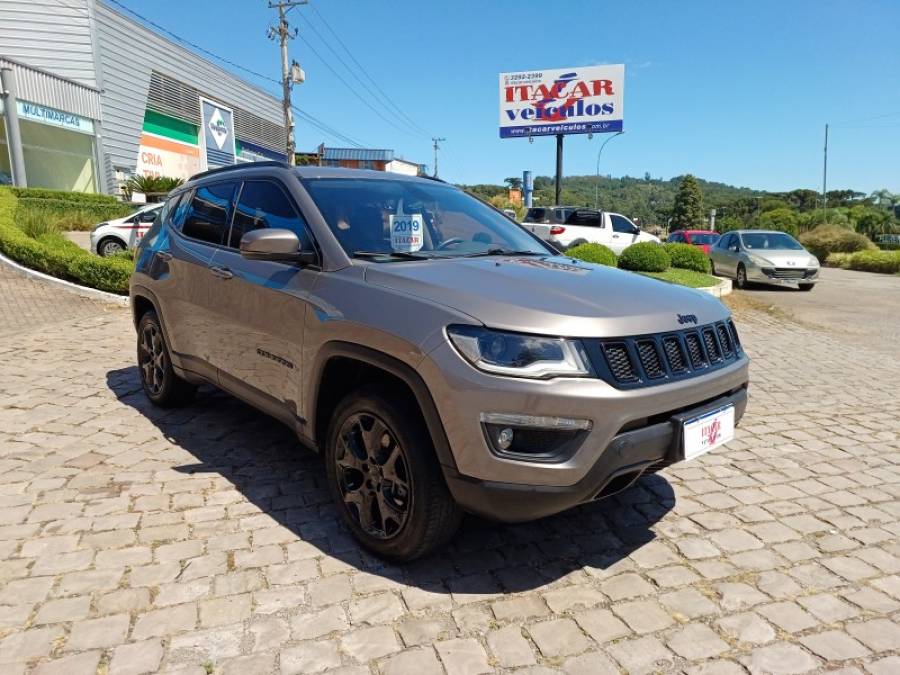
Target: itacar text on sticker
x=407, y=232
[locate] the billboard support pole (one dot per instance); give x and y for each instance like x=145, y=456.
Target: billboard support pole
x=559, y=166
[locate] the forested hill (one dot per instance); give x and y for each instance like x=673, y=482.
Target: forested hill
x=649, y=199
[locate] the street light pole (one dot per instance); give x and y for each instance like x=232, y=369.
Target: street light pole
x=597, y=184
x=283, y=33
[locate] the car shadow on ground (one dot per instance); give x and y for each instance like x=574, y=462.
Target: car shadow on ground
x=282, y=479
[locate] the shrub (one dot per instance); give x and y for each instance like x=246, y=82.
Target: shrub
x=687, y=257
x=79, y=197
x=837, y=260
x=646, y=256
x=53, y=254
x=70, y=215
x=885, y=262
x=593, y=253
x=783, y=220
x=827, y=239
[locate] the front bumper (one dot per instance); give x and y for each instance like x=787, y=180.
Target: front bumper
x=624, y=460
x=783, y=276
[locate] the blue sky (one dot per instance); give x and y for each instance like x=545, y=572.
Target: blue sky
x=734, y=91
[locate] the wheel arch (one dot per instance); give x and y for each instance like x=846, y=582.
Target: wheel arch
x=107, y=237
x=341, y=367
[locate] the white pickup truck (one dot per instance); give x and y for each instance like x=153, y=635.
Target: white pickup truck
x=581, y=226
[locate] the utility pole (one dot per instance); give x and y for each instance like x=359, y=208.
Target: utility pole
x=283, y=33
x=825, y=179
x=436, y=148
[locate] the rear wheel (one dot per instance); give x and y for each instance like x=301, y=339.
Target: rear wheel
x=109, y=246
x=806, y=287
x=162, y=386
x=741, y=276
x=384, y=476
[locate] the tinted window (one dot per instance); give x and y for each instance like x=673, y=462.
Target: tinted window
x=584, y=218
x=704, y=238
x=727, y=241
x=676, y=237
x=535, y=215
x=207, y=218
x=621, y=224
x=264, y=204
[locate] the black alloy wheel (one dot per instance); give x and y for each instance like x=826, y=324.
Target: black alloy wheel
x=152, y=358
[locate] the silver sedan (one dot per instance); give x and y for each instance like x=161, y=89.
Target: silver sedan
x=764, y=257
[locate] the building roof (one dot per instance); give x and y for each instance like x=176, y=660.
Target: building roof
x=359, y=154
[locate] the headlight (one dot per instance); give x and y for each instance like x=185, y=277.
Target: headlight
x=813, y=261
x=98, y=226
x=758, y=259
x=519, y=355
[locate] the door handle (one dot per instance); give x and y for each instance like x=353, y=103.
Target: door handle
x=165, y=256
x=221, y=272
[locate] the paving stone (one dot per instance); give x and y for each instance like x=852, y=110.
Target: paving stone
x=419, y=661
x=463, y=656
x=834, y=645
x=425, y=630
x=165, y=621
x=828, y=608
x=602, y=625
x=316, y=624
x=65, y=609
x=576, y=596
x=310, y=657
x=696, y=641
x=136, y=658
x=329, y=591
x=253, y=664
x=559, y=637
x=643, y=655
x=269, y=633
x=780, y=658
x=643, y=616
x=77, y=664
x=747, y=627
x=592, y=663
x=687, y=603
x=788, y=616
x=98, y=633
x=509, y=647
x=366, y=644
x=625, y=586
x=879, y=635
x=29, y=644
x=523, y=607
x=890, y=665
x=381, y=608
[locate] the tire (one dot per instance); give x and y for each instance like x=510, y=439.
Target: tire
x=163, y=387
x=741, y=276
x=384, y=476
x=577, y=242
x=109, y=246
x=807, y=287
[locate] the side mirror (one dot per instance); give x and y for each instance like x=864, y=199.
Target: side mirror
x=275, y=245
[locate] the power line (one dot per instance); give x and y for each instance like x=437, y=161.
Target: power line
x=307, y=117
x=365, y=72
x=350, y=87
x=375, y=96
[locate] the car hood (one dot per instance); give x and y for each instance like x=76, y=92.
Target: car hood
x=783, y=257
x=553, y=295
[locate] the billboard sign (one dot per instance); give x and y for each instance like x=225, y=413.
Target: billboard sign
x=216, y=134
x=563, y=101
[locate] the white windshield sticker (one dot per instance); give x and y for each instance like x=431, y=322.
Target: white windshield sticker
x=406, y=232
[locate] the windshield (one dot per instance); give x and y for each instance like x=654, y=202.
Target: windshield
x=770, y=240
x=403, y=219
x=704, y=238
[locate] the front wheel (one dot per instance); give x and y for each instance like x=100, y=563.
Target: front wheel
x=384, y=476
x=741, y=276
x=110, y=246
x=806, y=287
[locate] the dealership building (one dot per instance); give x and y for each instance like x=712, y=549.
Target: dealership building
x=92, y=97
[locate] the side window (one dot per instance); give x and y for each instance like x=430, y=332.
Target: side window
x=264, y=204
x=621, y=224
x=160, y=216
x=584, y=218
x=207, y=218
x=180, y=209
x=730, y=241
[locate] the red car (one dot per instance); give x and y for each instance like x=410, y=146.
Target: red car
x=699, y=238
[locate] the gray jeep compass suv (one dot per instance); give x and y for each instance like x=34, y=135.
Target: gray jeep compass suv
x=442, y=359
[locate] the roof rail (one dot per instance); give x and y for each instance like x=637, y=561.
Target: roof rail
x=243, y=165
x=434, y=178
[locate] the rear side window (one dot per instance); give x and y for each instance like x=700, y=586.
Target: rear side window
x=535, y=215
x=264, y=204
x=584, y=218
x=207, y=217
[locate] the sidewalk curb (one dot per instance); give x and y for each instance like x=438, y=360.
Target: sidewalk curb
x=84, y=291
x=723, y=288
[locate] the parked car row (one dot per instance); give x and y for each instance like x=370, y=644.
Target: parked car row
x=566, y=226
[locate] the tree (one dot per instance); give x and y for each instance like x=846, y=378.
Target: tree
x=782, y=219
x=885, y=198
x=688, y=213
x=153, y=187
x=514, y=182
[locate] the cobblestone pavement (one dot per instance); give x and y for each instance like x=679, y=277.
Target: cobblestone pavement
x=134, y=540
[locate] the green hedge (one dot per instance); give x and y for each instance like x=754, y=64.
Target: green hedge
x=79, y=197
x=883, y=262
x=55, y=255
x=646, y=256
x=593, y=253
x=827, y=239
x=687, y=257
x=71, y=215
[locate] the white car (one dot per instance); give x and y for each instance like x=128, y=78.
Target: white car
x=591, y=226
x=114, y=236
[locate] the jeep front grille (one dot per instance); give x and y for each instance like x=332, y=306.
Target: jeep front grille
x=643, y=360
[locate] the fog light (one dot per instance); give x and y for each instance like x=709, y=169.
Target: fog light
x=504, y=439
x=534, y=437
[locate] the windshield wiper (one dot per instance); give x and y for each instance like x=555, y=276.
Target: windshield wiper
x=403, y=255
x=505, y=251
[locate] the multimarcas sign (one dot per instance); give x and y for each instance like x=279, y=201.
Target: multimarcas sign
x=564, y=101
x=57, y=118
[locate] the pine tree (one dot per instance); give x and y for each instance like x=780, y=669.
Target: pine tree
x=688, y=213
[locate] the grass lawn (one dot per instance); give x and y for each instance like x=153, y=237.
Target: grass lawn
x=682, y=277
